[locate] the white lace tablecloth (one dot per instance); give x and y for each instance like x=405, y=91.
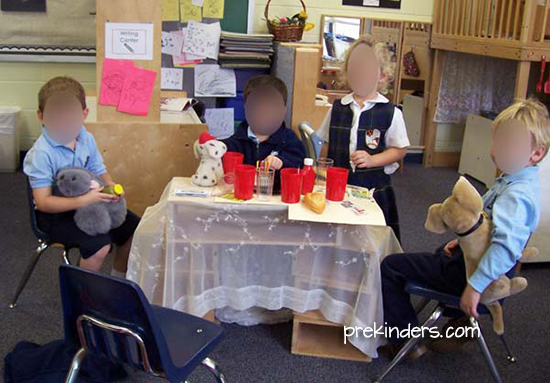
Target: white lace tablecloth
x=195, y=255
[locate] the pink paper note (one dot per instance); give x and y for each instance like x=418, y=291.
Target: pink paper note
x=112, y=80
x=137, y=90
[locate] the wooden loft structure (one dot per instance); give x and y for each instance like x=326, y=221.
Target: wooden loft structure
x=509, y=29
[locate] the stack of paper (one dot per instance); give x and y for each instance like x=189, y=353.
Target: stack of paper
x=127, y=87
x=241, y=50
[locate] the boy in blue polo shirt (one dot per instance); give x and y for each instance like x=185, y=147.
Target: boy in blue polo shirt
x=521, y=137
x=65, y=142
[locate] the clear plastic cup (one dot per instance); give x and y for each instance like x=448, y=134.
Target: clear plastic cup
x=321, y=167
x=264, y=184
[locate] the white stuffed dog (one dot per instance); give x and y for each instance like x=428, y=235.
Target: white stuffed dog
x=210, y=151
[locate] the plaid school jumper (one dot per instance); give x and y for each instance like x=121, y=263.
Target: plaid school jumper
x=371, y=137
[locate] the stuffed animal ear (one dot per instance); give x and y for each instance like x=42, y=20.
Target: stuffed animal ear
x=196, y=149
x=434, y=221
x=467, y=195
x=94, y=184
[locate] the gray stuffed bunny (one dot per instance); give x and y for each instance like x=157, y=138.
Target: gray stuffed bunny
x=94, y=219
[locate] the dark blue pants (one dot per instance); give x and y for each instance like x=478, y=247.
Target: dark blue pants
x=383, y=195
x=433, y=270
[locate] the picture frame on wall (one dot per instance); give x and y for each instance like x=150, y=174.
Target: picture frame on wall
x=23, y=5
x=393, y=4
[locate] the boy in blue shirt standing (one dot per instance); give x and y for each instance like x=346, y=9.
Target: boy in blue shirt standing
x=65, y=142
x=521, y=137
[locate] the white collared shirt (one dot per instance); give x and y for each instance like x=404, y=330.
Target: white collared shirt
x=396, y=135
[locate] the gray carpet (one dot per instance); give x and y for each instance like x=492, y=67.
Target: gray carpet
x=262, y=353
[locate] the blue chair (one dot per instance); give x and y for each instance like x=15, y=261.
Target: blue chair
x=445, y=301
x=312, y=143
x=43, y=244
x=111, y=317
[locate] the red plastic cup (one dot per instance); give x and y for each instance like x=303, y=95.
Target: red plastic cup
x=291, y=185
x=337, y=180
x=230, y=160
x=244, y=181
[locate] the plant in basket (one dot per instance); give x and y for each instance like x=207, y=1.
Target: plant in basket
x=288, y=28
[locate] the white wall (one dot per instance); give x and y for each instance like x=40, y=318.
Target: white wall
x=415, y=10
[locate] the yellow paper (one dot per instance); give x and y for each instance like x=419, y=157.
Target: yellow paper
x=213, y=9
x=170, y=10
x=190, y=12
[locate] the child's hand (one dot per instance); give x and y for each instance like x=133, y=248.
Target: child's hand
x=449, y=247
x=96, y=195
x=361, y=159
x=275, y=163
x=469, y=301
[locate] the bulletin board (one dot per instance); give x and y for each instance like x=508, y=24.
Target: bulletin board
x=235, y=19
x=68, y=27
x=65, y=26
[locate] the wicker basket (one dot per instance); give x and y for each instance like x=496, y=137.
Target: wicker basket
x=284, y=32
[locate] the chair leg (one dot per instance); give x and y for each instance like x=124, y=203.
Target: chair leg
x=66, y=256
x=72, y=375
x=436, y=314
x=28, y=271
x=214, y=368
x=509, y=355
x=485, y=350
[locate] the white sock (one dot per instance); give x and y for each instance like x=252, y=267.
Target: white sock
x=118, y=274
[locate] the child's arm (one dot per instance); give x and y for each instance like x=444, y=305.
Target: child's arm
x=396, y=140
x=513, y=212
x=292, y=154
x=48, y=203
x=362, y=159
x=107, y=179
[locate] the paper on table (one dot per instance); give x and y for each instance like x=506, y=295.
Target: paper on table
x=174, y=104
x=213, y=9
x=129, y=41
x=171, y=78
x=112, y=80
x=221, y=122
x=171, y=43
x=213, y=81
x=189, y=12
x=203, y=39
x=137, y=90
x=170, y=10
x=336, y=213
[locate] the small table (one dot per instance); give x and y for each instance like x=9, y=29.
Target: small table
x=196, y=255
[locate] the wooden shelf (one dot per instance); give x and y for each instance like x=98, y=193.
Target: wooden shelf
x=313, y=335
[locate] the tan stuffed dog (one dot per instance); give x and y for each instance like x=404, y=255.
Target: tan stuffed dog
x=463, y=213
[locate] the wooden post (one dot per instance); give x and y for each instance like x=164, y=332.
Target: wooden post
x=129, y=11
x=433, y=94
x=140, y=152
x=306, y=76
x=522, y=79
